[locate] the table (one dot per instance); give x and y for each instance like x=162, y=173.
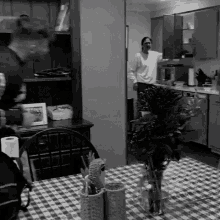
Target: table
x=194, y=189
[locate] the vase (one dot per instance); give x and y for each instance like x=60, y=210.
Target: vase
x=92, y=206
x=115, y=204
x=153, y=197
x=155, y=193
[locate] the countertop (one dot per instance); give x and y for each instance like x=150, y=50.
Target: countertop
x=192, y=89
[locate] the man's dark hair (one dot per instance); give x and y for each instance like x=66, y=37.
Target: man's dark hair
x=144, y=39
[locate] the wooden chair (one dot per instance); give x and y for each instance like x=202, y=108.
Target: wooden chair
x=56, y=152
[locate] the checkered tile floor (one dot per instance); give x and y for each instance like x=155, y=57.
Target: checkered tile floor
x=193, y=187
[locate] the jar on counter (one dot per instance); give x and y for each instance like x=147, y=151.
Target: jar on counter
x=191, y=77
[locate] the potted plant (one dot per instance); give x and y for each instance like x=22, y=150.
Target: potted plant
x=155, y=136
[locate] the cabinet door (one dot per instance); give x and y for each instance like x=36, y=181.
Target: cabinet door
x=178, y=36
x=168, y=36
x=172, y=36
x=214, y=128
x=214, y=123
x=157, y=34
x=206, y=34
x=199, y=122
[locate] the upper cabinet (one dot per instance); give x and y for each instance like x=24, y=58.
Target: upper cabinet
x=172, y=36
x=188, y=28
x=157, y=34
x=167, y=35
x=191, y=34
x=205, y=37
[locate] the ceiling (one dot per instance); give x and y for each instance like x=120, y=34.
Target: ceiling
x=153, y=5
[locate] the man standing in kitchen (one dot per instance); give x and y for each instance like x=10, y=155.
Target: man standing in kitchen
x=143, y=69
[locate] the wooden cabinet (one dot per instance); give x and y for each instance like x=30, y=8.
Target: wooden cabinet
x=157, y=34
x=214, y=124
x=205, y=37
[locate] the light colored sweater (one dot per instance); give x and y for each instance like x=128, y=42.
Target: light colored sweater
x=144, y=67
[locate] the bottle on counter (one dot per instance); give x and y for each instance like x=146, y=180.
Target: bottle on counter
x=191, y=77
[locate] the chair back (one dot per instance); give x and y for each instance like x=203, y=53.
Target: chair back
x=57, y=152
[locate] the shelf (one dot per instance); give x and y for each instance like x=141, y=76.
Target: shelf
x=36, y=79
x=62, y=32
x=187, y=29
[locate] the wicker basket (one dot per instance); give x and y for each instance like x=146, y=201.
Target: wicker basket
x=115, y=201
x=92, y=206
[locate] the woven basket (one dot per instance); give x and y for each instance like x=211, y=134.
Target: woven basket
x=92, y=206
x=115, y=201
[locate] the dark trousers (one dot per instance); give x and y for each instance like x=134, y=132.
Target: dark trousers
x=141, y=88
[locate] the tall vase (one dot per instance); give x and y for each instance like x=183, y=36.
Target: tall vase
x=155, y=193
x=92, y=206
x=115, y=201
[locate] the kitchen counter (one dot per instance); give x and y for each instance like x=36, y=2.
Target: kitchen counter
x=192, y=89
x=207, y=123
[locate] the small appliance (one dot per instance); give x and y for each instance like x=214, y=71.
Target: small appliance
x=172, y=73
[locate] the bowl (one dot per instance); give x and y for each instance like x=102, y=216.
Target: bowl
x=179, y=83
x=207, y=87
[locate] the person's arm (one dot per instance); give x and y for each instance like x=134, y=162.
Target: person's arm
x=2, y=118
x=14, y=115
x=11, y=117
x=17, y=114
x=132, y=72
